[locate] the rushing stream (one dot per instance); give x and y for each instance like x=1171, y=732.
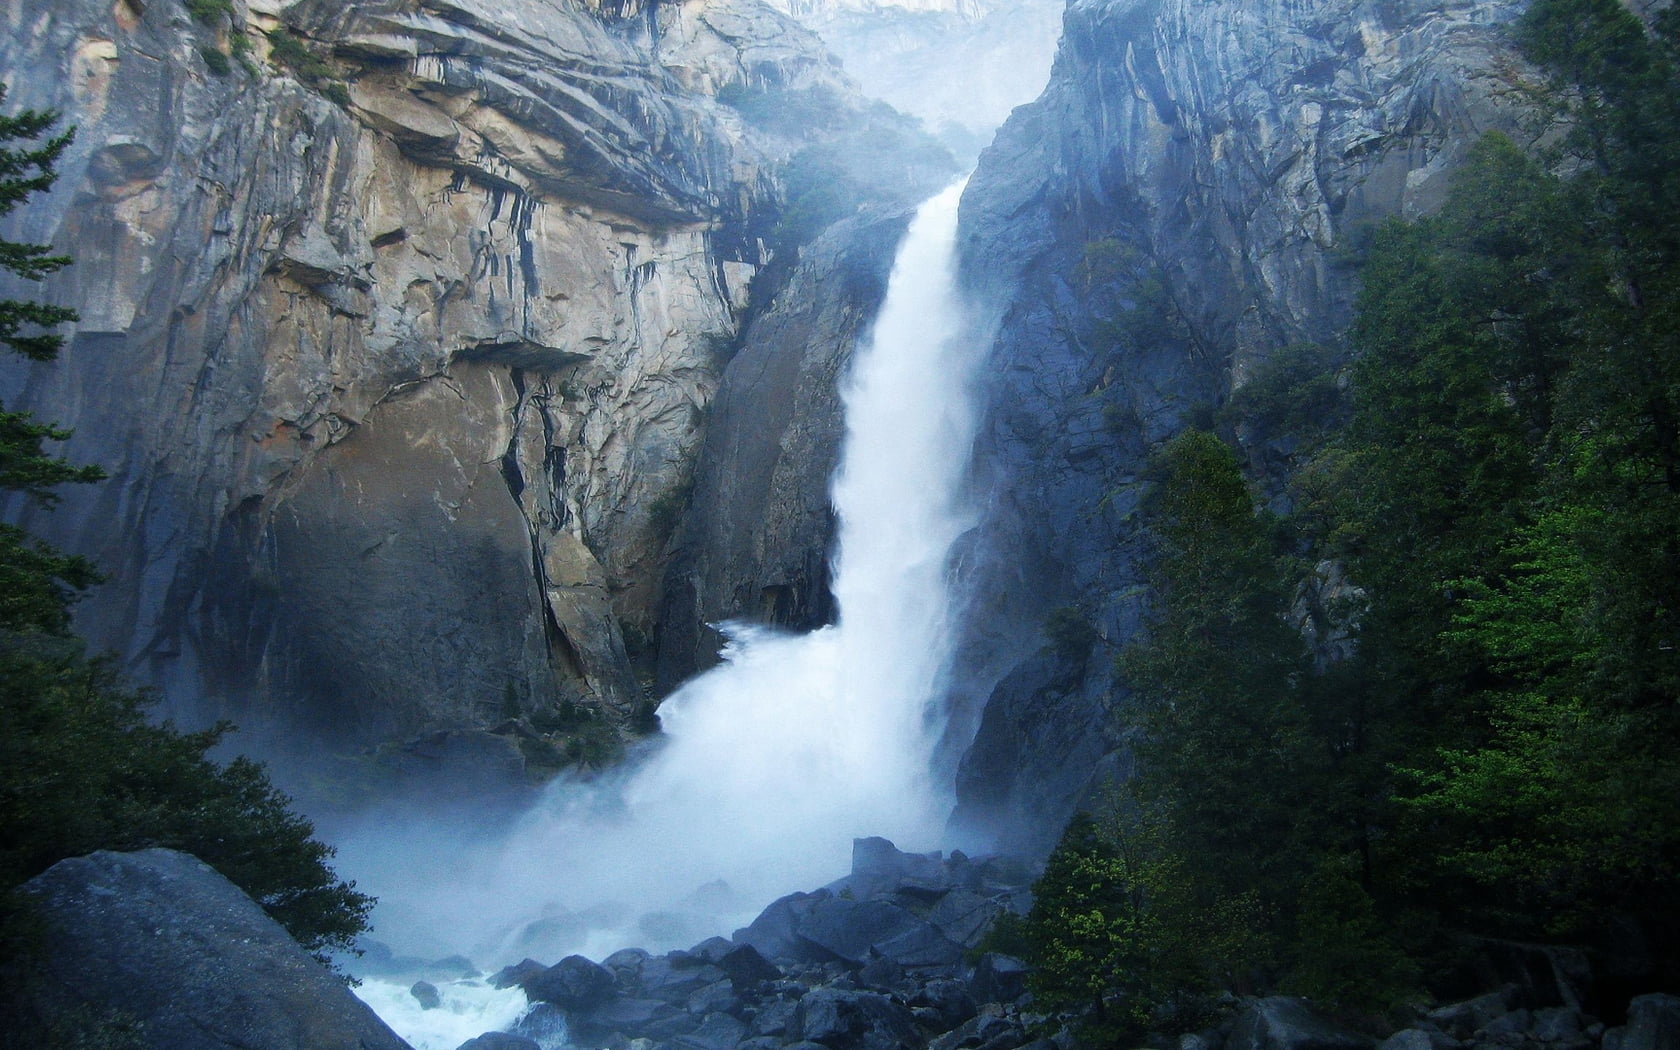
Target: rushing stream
x=776, y=759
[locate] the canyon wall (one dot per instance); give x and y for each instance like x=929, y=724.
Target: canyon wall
x=1178, y=205
x=399, y=325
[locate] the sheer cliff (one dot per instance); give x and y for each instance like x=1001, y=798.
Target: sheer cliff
x=1176, y=207
x=399, y=324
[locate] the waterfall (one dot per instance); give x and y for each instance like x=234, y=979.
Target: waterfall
x=774, y=760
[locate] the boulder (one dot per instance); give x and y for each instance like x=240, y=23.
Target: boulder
x=1461, y=1020
x=1409, y=1039
x=573, y=983
x=843, y=1019
x=964, y=917
x=775, y=1018
x=544, y=1022
x=716, y=1032
x=500, y=1041
x=1559, y=1024
x=999, y=978
x=1282, y=1023
x=773, y=932
x=1653, y=1023
x=165, y=939
x=856, y=931
x=630, y=1017
x=519, y=973
x=426, y=993
x=675, y=980
x=710, y=950
x=950, y=1000
x=746, y=967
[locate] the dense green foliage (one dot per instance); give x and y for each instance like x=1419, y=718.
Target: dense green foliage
x=81, y=768
x=1497, y=754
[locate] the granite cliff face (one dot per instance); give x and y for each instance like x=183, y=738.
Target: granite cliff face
x=397, y=350
x=1164, y=217
x=757, y=543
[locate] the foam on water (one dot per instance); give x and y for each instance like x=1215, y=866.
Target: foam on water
x=467, y=1010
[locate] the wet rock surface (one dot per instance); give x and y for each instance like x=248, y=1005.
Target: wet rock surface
x=161, y=939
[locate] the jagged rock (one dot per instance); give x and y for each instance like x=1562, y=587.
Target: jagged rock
x=880, y=974
x=1653, y=1023
x=1558, y=1024
x=1233, y=146
x=1461, y=1020
x=999, y=978
x=544, y=1022
x=950, y=999
x=711, y=950
x=715, y=998
x=426, y=994
x=717, y=1032
x=773, y=932
x=1281, y=1023
x=500, y=1041
x=776, y=1018
x=964, y=917
x=852, y=1020
x=166, y=940
x=746, y=967
x=573, y=983
x=674, y=982
x=630, y=1017
x=519, y=973
x=1408, y=1039
x=856, y=931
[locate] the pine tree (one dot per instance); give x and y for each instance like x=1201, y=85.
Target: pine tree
x=37, y=582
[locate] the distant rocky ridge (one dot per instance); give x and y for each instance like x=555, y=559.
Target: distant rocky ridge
x=400, y=323
x=958, y=65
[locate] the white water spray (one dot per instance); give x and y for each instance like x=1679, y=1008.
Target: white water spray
x=779, y=757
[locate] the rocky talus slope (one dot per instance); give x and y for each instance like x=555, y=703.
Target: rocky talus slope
x=1171, y=211
x=893, y=957
x=400, y=320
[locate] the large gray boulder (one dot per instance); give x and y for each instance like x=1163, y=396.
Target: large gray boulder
x=1653, y=1023
x=162, y=937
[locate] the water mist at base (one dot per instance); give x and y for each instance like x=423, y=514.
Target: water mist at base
x=774, y=761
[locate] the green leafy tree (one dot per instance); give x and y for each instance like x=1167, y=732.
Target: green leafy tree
x=1215, y=681
x=81, y=769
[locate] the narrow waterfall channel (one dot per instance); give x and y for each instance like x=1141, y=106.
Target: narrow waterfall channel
x=776, y=759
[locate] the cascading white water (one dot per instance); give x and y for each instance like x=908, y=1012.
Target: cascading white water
x=794, y=745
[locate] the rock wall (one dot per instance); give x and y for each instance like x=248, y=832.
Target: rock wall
x=1169, y=212
x=399, y=323
x=757, y=543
